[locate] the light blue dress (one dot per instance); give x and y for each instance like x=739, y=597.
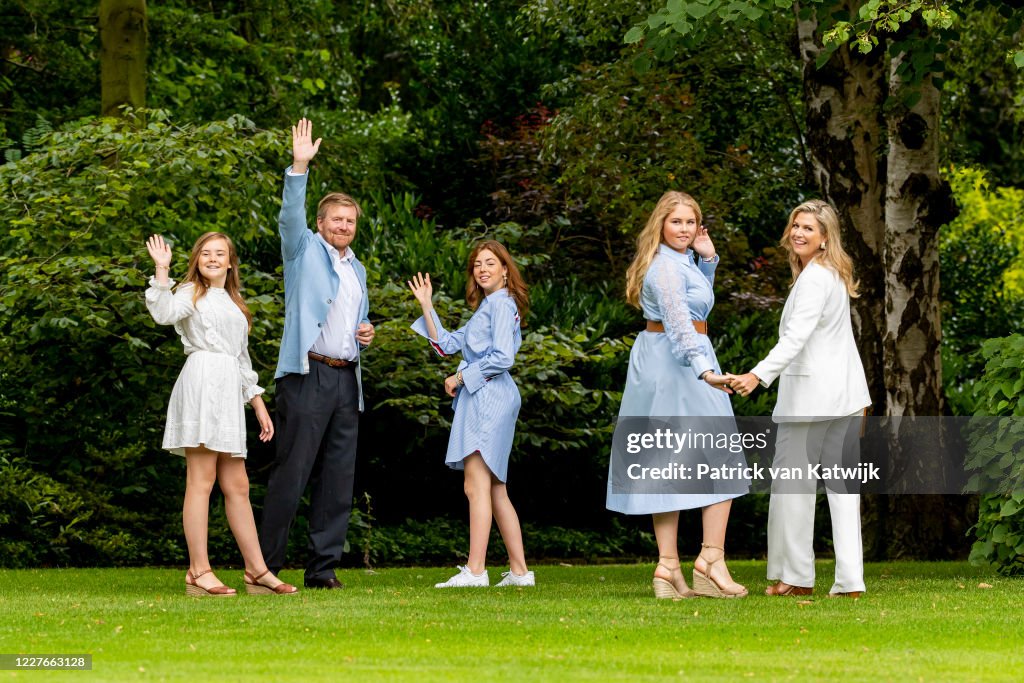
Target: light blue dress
x=664, y=368
x=487, y=405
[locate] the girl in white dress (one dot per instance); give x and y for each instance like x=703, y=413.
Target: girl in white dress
x=206, y=417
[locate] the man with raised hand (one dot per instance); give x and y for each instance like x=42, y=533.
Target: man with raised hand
x=319, y=387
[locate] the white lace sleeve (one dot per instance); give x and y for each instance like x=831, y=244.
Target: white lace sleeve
x=670, y=291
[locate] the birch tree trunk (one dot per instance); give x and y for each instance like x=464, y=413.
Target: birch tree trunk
x=845, y=135
x=879, y=167
x=122, y=54
x=917, y=203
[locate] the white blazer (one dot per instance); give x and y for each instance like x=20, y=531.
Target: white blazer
x=816, y=360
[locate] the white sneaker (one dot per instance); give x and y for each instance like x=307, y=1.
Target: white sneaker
x=510, y=579
x=466, y=579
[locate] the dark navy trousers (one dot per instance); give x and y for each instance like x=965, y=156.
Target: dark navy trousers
x=317, y=428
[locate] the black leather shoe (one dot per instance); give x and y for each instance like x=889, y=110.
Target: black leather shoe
x=323, y=583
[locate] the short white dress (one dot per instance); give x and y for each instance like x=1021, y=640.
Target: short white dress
x=207, y=406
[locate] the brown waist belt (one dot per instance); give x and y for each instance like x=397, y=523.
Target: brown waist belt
x=656, y=326
x=333, y=362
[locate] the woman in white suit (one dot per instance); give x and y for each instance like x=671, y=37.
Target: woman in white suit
x=822, y=390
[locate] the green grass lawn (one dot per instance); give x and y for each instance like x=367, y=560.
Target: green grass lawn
x=920, y=621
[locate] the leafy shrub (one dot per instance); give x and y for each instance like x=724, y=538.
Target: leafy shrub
x=982, y=261
x=999, y=459
x=443, y=540
x=740, y=343
x=85, y=373
x=560, y=375
x=596, y=310
x=395, y=243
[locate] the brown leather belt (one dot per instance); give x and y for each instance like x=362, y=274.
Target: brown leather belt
x=333, y=362
x=657, y=326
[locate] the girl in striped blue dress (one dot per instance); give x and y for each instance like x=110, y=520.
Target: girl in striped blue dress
x=486, y=402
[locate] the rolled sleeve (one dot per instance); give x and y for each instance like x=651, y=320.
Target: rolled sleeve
x=503, y=349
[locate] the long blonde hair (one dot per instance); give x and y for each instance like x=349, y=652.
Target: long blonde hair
x=649, y=239
x=232, y=284
x=832, y=256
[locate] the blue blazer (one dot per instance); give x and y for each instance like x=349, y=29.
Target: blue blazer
x=310, y=284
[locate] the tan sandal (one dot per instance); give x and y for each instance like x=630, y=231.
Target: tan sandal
x=665, y=589
x=777, y=589
x=705, y=585
x=254, y=587
x=195, y=590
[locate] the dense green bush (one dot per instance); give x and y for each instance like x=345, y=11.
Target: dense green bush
x=982, y=264
x=998, y=458
x=445, y=541
x=563, y=429
x=86, y=373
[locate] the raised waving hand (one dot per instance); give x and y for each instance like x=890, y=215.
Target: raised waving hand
x=303, y=147
x=422, y=290
x=160, y=252
x=702, y=243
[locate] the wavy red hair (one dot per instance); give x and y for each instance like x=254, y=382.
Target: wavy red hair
x=514, y=284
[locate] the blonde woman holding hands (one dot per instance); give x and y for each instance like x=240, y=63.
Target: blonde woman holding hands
x=822, y=393
x=673, y=372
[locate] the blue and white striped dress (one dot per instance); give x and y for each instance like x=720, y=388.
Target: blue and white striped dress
x=487, y=406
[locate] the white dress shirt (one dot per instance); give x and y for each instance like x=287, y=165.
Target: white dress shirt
x=338, y=336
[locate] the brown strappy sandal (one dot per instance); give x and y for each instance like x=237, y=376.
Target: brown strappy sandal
x=254, y=587
x=195, y=590
x=776, y=589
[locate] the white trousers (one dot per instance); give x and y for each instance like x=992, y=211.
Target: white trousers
x=791, y=512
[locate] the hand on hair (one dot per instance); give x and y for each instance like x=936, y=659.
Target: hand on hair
x=702, y=243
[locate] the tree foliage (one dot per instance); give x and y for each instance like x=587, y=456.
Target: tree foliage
x=873, y=18
x=997, y=458
x=449, y=121
x=86, y=373
x=983, y=274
